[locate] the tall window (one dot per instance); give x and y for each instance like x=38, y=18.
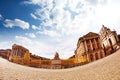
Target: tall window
x=111, y=45
x=104, y=49
x=96, y=56
x=115, y=38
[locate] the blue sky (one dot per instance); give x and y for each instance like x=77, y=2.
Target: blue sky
x=47, y=26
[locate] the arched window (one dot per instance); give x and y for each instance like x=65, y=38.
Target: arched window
x=96, y=56
x=115, y=38
x=104, y=49
x=91, y=58
x=111, y=45
x=101, y=56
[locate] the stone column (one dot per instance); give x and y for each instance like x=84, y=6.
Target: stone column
x=88, y=57
x=100, y=42
x=102, y=52
x=94, y=57
x=14, y=52
x=91, y=46
x=17, y=52
x=85, y=44
x=84, y=47
x=99, y=55
x=96, y=46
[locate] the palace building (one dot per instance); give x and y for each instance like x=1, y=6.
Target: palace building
x=93, y=46
x=89, y=47
x=109, y=39
x=17, y=51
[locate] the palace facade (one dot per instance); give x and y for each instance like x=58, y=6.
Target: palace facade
x=89, y=47
x=93, y=46
x=17, y=51
x=109, y=40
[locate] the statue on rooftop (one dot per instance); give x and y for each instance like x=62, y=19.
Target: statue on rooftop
x=56, y=57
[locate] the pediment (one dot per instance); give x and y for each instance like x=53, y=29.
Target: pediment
x=90, y=34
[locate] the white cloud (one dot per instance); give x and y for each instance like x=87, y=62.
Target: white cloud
x=41, y=48
x=31, y=35
x=108, y=15
x=66, y=17
x=66, y=47
x=50, y=33
x=6, y=44
x=35, y=27
x=36, y=47
x=97, y=2
x=33, y=16
x=22, y=39
x=63, y=18
x=38, y=2
x=1, y=17
x=17, y=22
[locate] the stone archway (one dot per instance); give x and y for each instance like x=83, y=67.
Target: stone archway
x=101, y=55
x=91, y=57
x=96, y=56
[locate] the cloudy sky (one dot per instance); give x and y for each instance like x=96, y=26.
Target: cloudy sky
x=47, y=26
